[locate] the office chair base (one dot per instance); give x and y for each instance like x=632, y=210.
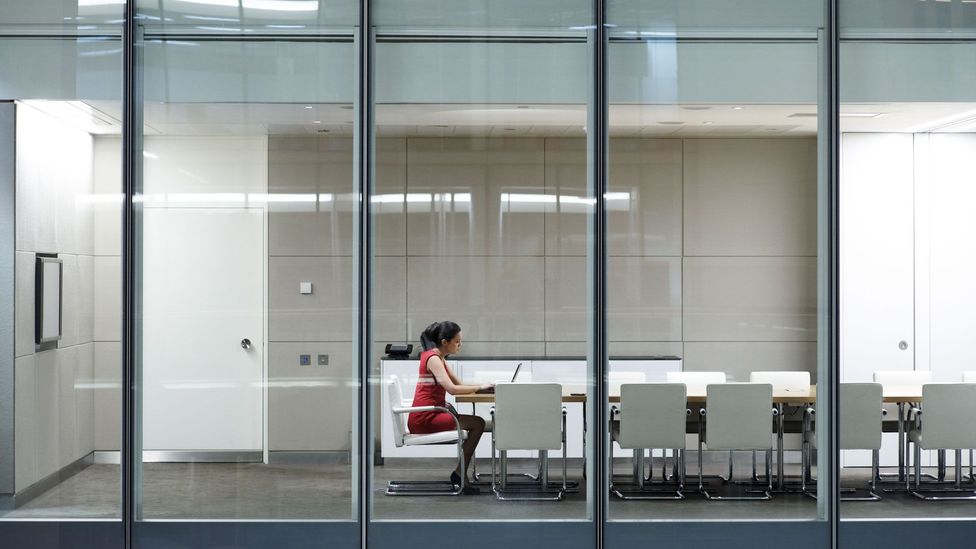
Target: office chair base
x=765, y=495
x=871, y=496
x=920, y=494
x=535, y=494
x=631, y=492
x=422, y=488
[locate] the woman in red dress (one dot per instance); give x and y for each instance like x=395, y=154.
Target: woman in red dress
x=440, y=340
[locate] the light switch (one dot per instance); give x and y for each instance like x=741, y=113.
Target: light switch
x=305, y=287
x=323, y=360
x=304, y=360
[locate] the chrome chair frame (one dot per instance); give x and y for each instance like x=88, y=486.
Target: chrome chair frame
x=524, y=491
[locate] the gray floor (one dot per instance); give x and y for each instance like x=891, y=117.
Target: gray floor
x=317, y=492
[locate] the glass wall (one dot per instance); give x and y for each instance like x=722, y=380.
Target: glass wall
x=715, y=221
x=247, y=363
x=60, y=97
x=482, y=215
x=906, y=303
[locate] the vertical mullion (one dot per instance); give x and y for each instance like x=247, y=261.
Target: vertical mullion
x=363, y=179
x=598, y=145
x=831, y=96
x=131, y=166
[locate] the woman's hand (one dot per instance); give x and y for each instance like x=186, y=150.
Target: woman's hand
x=486, y=387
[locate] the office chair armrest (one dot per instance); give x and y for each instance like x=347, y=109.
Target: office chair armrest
x=775, y=411
x=409, y=409
x=811, y=411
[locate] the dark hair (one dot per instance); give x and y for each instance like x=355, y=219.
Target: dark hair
x=431, y=337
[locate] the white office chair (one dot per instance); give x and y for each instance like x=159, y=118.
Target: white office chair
x=494, y=376
x=695, y=382
x=944, y=422
x=860, y=429
x=402, y=437
x=653, y=417
x=528, y=416
x=896, y=421
x=784, y=382
x=737, y=417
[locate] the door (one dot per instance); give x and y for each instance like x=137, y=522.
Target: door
x=203, y=346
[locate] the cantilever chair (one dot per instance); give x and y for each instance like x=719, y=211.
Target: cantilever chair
x=402, y=437
x=528, y=416
x=737, y=417
x=653, y=417
x=786, y=381
x=860, y=429
x=897, y=422
x=945, y=422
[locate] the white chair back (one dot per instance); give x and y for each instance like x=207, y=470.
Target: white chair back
x=696, y=381
x=617, y=379
x=395, y=396
x=783, y=381
x=528, y=416
x=903, y=378
x=739, y=416
x=860, y=416
x=969, y=376
x=948, y=410
x=653, y=415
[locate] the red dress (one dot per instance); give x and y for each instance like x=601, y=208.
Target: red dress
x=429, y=393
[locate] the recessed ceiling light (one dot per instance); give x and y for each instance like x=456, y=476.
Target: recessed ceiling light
x=670, y=122
x=737, y=108
x=522, y=107
x=316, y=122
x=308, y=106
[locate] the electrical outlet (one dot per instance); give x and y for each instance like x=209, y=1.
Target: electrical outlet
x=323, y=360
x=304, y=360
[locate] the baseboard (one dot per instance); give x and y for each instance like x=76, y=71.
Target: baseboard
x=186, y=456
x=50, y=481
x=279, y=457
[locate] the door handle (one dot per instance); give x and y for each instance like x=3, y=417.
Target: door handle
x=903, y=345
x=245, y=344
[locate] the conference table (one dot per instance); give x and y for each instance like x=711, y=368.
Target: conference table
x=695, y=395
x=891, y=394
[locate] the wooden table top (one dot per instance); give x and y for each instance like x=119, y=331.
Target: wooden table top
x=696, y=395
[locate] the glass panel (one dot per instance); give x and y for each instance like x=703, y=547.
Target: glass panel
x=60, y=95
x=713, y=256
x=907, y=123
x=248, y=364
x=483, y=219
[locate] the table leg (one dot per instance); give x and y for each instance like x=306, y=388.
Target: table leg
x=780, y=479
x=901, y=441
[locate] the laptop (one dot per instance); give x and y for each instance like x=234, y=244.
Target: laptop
x=491, y=390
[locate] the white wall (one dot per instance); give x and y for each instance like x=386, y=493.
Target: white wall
x=53, y=389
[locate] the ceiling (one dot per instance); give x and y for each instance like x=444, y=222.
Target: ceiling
x=513, y=120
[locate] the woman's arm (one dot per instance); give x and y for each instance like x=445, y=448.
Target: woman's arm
x=450, y=383
x=451, y=374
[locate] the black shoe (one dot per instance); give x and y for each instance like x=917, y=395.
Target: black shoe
x=455, y=479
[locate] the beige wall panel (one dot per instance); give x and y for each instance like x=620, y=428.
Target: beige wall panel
x=107, y=204
x=24, y=303
x=484, y=170
x=643, y=204
x=71, y=288
x=492, y=298
x=46, y=413
x=750, y=299
x=644, y=299
x=500, y=348
x=646, y=348
x=107, y=298
x=107, y=395
x=750, y=197
x=66, y=402
x=323, y=315
x=738, y=359
x=25, y=423
x=390, y=299
x=86, y=296
x=310, y=407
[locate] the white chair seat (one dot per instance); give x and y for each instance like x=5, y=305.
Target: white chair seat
x=443, y=437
